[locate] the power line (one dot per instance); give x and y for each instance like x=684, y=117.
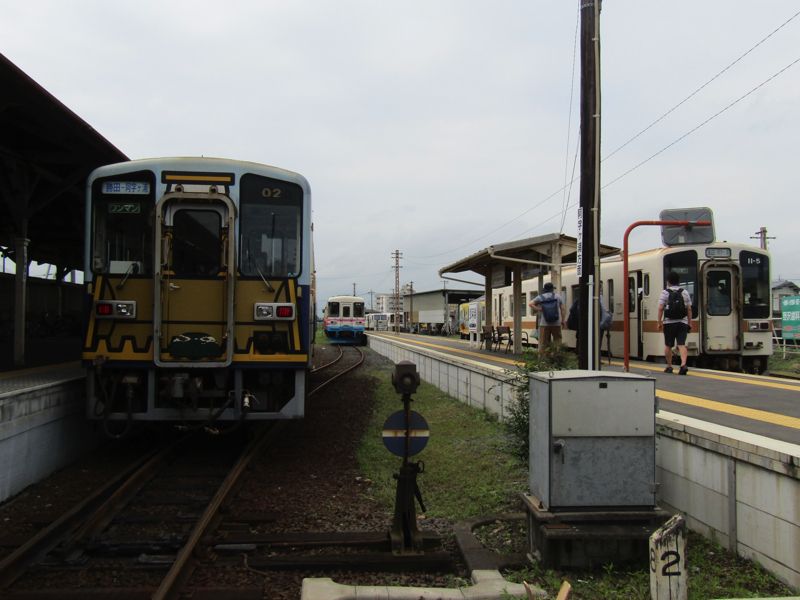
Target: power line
x=574, y=179
x=694, y=93
x=708, y=120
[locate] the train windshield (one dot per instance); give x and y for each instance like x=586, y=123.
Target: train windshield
x=358, y=309
x=333, y=309
x=755, y=284
x=271, y=220
x=122, y=225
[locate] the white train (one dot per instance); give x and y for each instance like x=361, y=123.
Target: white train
x=730, y=289
x=344, y=320
x=383, y=321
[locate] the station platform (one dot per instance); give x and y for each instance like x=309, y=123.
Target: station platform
x=757, y=404
x=24, y=380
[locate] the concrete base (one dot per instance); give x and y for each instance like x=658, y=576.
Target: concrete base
x=488, y=585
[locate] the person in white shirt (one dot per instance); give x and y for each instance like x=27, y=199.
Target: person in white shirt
x=675, y=327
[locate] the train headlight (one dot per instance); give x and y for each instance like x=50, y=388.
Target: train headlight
x=271, y=311
x=120, y=309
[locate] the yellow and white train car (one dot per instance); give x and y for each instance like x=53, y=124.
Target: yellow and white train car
x=730, y=289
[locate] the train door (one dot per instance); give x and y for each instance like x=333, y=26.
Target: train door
x=635, y=314
x=721, y=317
x=194, y=298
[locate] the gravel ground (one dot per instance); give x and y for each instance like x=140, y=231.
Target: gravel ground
x=311, y=482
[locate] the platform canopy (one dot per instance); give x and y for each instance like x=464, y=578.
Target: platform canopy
x=522, y=259
x=46, y=153
x=547, y=250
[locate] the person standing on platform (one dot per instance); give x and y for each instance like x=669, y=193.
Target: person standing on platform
x=675, y=318
x=552, y=316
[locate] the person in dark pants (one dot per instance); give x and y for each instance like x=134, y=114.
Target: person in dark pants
x=675, y=327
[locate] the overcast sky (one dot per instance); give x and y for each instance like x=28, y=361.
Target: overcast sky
x=438, y=128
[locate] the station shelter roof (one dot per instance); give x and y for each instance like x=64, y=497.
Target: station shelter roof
x=450, y=296
x=538, y=249
x=46, y=154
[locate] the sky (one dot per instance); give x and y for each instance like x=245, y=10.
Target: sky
x=438, y=128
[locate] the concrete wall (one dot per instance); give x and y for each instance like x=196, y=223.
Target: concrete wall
x=739, y=489
x=469, y=381
x=742, y=490
x=42, y=429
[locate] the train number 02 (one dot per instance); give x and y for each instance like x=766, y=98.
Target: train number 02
x=271, y=192
x=670, y=560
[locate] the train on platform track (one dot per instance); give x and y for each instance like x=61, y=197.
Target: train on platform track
x=730, y=289
x=344, y=320
x=200, y=285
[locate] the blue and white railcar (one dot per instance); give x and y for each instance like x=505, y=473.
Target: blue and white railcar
x=344, y=320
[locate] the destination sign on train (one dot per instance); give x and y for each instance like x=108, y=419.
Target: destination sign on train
x=126, y=187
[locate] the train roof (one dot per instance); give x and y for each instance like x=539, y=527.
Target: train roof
x=345, y=299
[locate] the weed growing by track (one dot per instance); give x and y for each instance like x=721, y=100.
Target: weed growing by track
x=472, y=470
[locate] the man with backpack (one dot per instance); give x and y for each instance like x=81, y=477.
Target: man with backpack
x=553, y=315
x=675, y=318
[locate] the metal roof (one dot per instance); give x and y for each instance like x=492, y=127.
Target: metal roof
x=46, y=153
x=537, y=249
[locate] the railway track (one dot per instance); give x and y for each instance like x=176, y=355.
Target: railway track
x=214, y=518
x=147, y=523
x=348, y=359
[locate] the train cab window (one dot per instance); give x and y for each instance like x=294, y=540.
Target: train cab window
x=122, y=235
x=718, y=284
x=271, y=220
x=685, y=265
x=346, y=311
x=196, y=238
x=333, y=309
x=755, y=285
x=358, y=309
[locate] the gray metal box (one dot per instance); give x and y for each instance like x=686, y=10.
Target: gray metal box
x=592, y=439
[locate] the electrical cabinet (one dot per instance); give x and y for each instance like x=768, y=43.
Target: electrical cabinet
x=592, y=440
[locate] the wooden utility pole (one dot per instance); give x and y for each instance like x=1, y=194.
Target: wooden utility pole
x=589, y=211
x=761, y=235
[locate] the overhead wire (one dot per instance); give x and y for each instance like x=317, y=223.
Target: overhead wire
x=569, y=205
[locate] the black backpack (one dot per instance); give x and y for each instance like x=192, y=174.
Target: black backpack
x=675, y=308
x=573, y=318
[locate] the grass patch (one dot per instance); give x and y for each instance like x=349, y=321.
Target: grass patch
x=471, y=470
x=467, y=472
x=790, y=364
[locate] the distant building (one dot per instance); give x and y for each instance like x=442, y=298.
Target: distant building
x=782, y=288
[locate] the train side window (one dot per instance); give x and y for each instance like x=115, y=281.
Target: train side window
x=610, y=295
x=523, y=306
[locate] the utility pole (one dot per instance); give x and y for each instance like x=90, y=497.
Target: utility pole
x=761, y=235
x=411, y=303
x=397, y=255
x=354, y=289
x=589, y=211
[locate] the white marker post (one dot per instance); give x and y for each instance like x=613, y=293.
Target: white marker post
x=668, y=576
